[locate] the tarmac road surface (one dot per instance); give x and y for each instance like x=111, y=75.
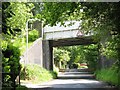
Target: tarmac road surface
x=73, y=79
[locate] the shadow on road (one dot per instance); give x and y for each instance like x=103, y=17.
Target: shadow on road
x=74, y=79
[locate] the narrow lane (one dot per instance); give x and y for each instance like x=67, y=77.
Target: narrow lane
x=73, y=79
x=76, y=78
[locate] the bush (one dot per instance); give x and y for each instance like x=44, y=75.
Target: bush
x=10, y=63
x=21, y=88
x=109, y=75
x=54, y=74
x=17, y=88
x=36, y=74
x=55, y=69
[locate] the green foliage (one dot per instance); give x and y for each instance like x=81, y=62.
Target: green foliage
x=91, y=55
x=10, y=62
x=20, y=40
x=11, y=58
x=54, y=74
x=109, y=75
x=36, y=74
x=83, y=54
x=21, y=88
x=5, y=15
x=76, y=54
x=12, y=49
x=55, y=69
x=57, y=12
x=109, y=50
x=61, y=55
x=33, y=35
x=19, y=12
x=15, y=15
x=100, y=18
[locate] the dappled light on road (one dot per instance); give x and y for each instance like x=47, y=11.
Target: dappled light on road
x=73, y=79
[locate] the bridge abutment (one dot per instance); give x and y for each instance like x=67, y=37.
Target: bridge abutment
x=47, y=54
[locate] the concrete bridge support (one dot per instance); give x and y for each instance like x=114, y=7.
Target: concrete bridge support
x=47, y=54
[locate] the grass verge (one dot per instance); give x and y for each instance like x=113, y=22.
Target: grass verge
x=109, y=75
x=36, y=74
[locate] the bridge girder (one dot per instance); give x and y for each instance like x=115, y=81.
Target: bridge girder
x=73, y=41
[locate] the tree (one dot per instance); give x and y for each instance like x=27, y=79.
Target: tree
x=14, y=17
x=102, y=18
x=91, y=56
x=76, y=54
x=54, y=12
x=83, y=54
x=10, y=62
x=61, y=57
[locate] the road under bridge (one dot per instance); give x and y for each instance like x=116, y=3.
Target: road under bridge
x=56, y=36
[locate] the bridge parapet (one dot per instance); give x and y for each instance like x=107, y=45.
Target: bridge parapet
x=62, y=32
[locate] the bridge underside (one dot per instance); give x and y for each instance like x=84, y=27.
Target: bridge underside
x=49, y=44
x=73, y=41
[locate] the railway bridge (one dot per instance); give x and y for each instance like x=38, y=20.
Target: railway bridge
x=56, y=36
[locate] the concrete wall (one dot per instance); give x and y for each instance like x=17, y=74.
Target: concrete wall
x=35, y=54
x=47, y=54
x=41, y=53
